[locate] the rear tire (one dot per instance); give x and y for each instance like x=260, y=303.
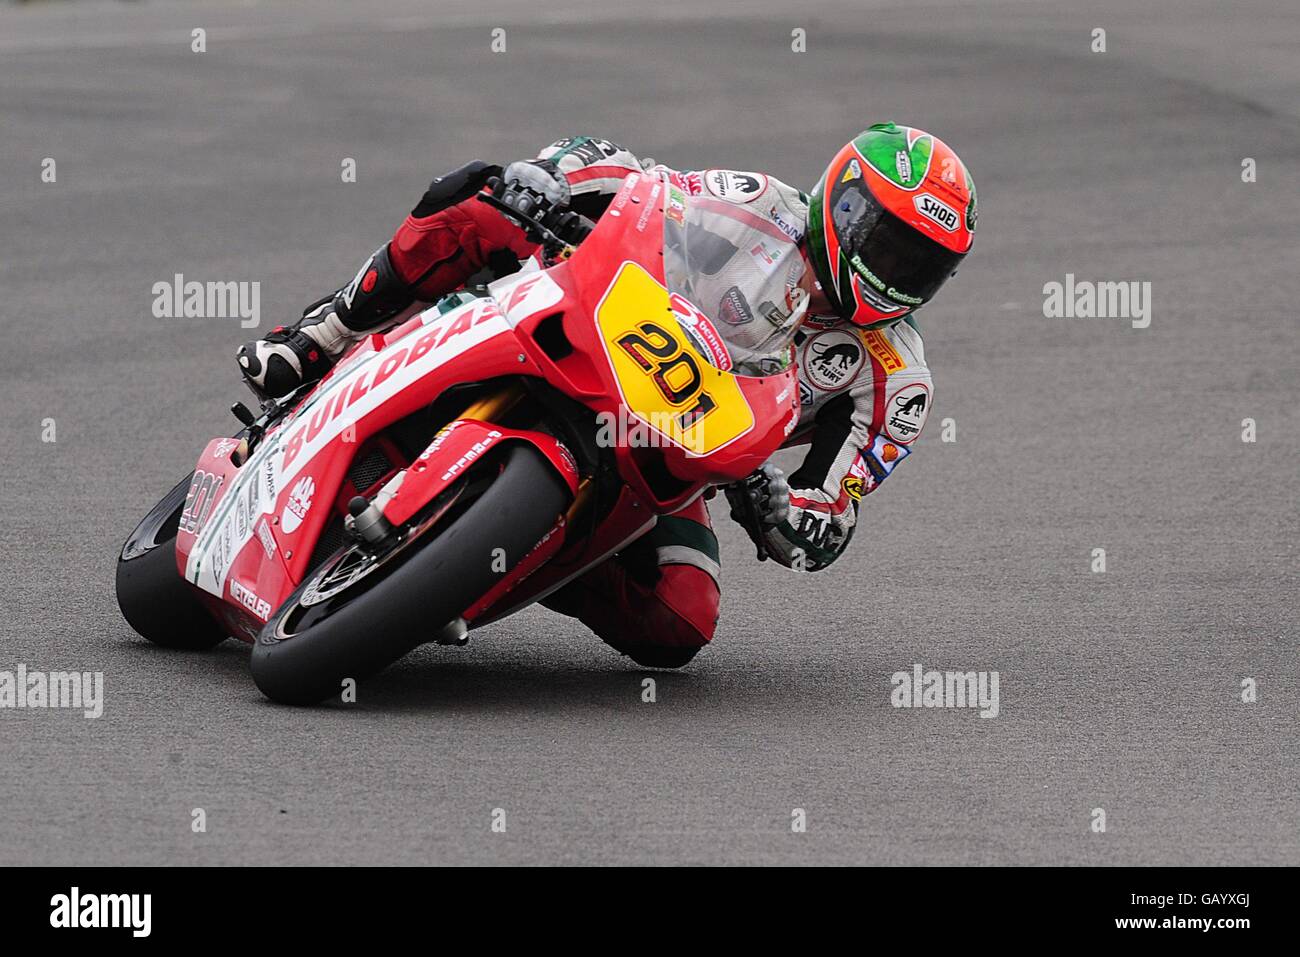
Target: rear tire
x=155, y=600
x=366, y=630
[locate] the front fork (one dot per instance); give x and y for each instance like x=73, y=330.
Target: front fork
x=449, y=457
x=492, y=407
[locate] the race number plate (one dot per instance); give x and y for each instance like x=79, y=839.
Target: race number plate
x=665, y=382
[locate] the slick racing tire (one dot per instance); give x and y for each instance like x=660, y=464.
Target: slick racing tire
x=154, y=599
x=312, y=644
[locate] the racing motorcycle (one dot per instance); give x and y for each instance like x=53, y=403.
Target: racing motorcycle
x=482, y=453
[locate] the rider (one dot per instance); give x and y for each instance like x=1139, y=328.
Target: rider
x=884, y=228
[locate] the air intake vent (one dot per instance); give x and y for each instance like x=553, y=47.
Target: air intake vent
x=369, y=469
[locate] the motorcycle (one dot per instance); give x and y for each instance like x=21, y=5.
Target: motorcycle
x=482, y=453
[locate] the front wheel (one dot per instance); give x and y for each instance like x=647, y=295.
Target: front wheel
x=357, y=613
x=154, y=599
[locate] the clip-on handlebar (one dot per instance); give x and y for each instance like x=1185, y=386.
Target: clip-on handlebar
x=557, y=229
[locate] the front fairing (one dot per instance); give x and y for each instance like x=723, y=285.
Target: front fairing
x=664, y=381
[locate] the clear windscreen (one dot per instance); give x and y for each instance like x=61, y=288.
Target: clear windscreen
x=733, y=281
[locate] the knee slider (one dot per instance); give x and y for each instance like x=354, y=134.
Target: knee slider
x=683, y=610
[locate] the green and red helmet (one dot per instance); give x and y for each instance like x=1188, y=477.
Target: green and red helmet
x=888, y=222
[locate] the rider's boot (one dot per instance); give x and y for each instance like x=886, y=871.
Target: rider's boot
x=292, y=356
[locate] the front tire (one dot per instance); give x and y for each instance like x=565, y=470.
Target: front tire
x=154, y=599
x=365, y=629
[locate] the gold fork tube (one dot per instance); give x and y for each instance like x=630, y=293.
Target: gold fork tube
x=490, y=407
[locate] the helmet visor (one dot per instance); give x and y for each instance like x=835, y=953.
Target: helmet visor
x=888, y=256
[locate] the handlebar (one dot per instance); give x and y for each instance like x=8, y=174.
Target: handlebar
x=557, y=229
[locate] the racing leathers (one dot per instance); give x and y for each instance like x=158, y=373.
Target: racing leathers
x=864, y=394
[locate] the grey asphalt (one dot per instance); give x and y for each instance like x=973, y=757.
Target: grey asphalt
x=1118, y=690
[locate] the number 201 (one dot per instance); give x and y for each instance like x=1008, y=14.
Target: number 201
x=658, y=353
x=199, y=501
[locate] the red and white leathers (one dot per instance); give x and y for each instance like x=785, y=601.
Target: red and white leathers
x=864, y=394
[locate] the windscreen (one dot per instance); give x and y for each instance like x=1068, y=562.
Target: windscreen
x=733, y=281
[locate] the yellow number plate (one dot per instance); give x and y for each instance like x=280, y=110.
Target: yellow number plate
x=666, y=383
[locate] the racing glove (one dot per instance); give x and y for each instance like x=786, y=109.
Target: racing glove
x=532, y=189
x=760, y=503
x=802, y=528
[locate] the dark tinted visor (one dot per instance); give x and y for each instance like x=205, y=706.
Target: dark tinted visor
x=899, y=256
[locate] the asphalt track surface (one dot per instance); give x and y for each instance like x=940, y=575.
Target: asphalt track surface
x=1119, y=690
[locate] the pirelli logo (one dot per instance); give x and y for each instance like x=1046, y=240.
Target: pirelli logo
x=884, y=353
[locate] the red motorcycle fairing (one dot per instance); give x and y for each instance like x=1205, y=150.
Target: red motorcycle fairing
x=249, y=535
x=238, y=607
x=633, y=227
x=456, y=447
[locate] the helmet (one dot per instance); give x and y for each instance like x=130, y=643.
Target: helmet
x=888, y=222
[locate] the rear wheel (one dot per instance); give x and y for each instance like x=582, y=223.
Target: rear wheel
x=361, y=610
x=153, y=597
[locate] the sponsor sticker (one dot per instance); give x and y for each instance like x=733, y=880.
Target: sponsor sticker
x=734, y=308
x=936, y=211
x=858, y=481
x=537, y=291
x=266, y=538
x=284, y=458
x=567, y=457
x=690, y=182
x=248, y=505
x=766, y=258
x=832, y=359
x=644, y=218
x=903, y=164
x=881, y=457
x=625, y=191
x=675, y=206
x=298, y=504
x=883, y=351
x=791, y=423
x=474, y=451
x=705, y=335
x=735, y=186
x=246, y=597
x=905, y=412
x=391, y=369
x=787, y=227
x=440, y=437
